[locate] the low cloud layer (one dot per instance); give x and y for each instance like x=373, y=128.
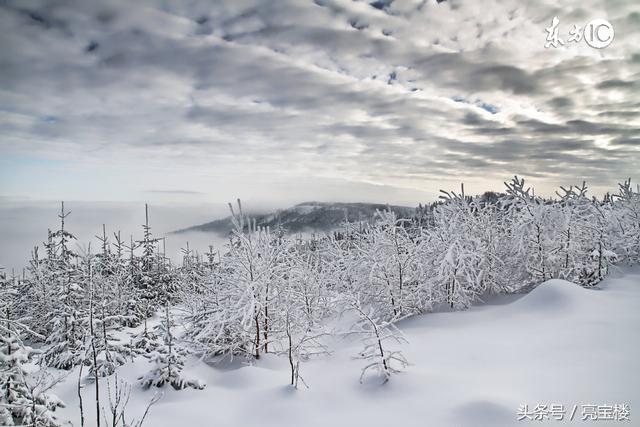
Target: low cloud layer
x=295, y=99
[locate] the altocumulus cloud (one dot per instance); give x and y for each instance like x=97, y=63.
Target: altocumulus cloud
x=402, y=94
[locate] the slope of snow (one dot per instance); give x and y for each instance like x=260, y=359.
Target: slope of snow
x=559, y=344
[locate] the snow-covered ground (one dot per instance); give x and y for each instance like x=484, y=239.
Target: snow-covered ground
x=559, y=344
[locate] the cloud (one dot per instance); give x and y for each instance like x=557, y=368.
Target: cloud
x=401, y=94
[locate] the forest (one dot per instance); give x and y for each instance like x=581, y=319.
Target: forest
x=270, y=292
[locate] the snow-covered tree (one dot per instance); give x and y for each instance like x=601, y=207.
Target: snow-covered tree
x=148, y=274
x=456, y=251
x=389, y=257
x=255, y=266
x=24, y=395
x=531, y=217
x=168, y=359
x=627, y=202
x=381, y=339
x=67, y=330
x=107, y=352
x=302, y=306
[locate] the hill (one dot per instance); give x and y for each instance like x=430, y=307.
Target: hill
x=308, y=216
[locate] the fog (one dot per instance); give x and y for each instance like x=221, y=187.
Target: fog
x=24, y=225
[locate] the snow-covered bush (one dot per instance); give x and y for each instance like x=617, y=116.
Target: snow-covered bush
x=377, y=336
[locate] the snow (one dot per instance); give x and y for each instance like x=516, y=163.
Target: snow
x=559, y=344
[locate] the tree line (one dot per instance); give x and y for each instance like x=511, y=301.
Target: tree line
x=269, y=292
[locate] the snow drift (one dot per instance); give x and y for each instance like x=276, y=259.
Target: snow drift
x=559, y=344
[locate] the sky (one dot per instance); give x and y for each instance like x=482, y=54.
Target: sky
x=278, y=102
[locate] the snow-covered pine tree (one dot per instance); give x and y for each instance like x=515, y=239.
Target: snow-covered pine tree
x=132, y=294
x=125, y=295
x=191, y=275
x=168, y=359
x=37, y=304
x=67, y=330
x=24, y=397
x=148, y=278
x=107, y=352
x=25, y=400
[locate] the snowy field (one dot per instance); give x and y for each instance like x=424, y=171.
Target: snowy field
x=559, y=344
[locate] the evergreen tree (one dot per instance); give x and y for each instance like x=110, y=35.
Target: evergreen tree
x=24, y=397
x=64, y=343
x=168, y=359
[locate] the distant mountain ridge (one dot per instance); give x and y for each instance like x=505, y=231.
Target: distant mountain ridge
x=308, y=216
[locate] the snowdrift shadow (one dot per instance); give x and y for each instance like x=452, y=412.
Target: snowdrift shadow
x=552, y=296
x=226, y=363
x=481, y=413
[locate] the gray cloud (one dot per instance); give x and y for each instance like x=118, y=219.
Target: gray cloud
x=363, y=91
